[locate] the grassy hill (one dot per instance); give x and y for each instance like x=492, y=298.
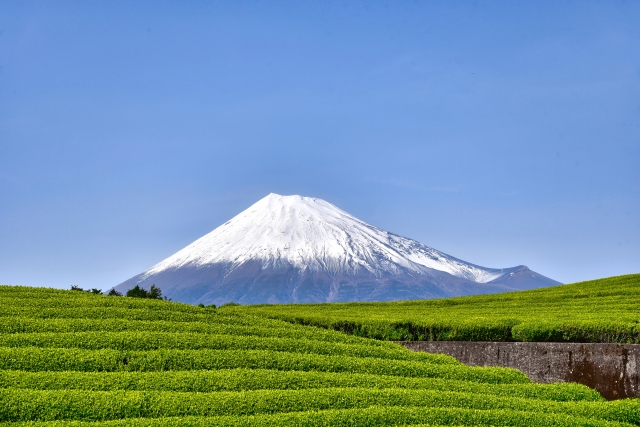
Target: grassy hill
x=605, y=310
x=71, y=358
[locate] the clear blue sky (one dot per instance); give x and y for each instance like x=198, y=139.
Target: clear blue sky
x=503, y=132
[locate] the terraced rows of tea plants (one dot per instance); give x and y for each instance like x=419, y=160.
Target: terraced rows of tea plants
x=604, y=311
x=71, y=358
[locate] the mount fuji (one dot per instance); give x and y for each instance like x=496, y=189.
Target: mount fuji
x=286, y=249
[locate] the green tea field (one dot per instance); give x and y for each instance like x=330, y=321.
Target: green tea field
x=71, y=358
x=605, y=310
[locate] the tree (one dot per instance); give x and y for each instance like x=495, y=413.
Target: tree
x=114, y=293
x=93, y=291
x=137, y=292
x=229, y=304
x=154, y=292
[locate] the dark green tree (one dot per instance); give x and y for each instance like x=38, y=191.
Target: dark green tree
x=114, y=293
x=154, y=292
x=137, y=292
x=93, y=291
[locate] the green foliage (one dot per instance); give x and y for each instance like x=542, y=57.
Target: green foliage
x=230, y=304
x=49, y=405
x=93, y=290
x=69, y=359
x=114, y=293
x=270, y=379
x=74, y=358
x=154, y=292
x=145, y=340
x=224, y=325
x=371, y=416
x=604, y=310
x=137, y=292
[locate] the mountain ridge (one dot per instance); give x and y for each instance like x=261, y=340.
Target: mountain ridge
x=302, y=249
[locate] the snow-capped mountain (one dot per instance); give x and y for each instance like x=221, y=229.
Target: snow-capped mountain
x=300, y=249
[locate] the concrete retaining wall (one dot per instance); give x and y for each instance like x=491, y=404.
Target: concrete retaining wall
x=611, y=369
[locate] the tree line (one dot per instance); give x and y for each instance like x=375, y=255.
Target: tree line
x=154, y=292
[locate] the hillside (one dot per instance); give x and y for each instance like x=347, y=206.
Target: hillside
x=70, y=358
x=605, y=310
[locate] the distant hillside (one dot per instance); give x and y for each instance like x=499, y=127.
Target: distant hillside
x=605, y=310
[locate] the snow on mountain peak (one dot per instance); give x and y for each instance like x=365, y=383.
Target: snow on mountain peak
x=309, y=233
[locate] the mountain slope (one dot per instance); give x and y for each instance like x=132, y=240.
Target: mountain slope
x=301, y=249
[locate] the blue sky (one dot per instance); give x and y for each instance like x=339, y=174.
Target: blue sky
x=502, y=133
